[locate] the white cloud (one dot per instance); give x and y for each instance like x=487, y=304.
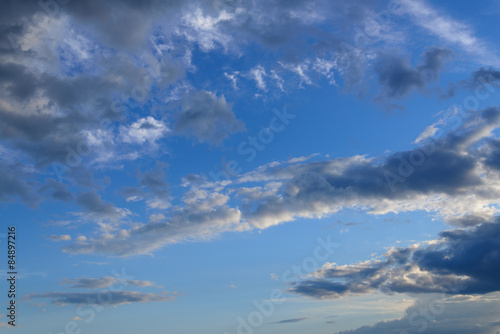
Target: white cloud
x=144, y=130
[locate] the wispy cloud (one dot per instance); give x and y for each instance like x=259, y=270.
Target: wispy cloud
x=449, y=30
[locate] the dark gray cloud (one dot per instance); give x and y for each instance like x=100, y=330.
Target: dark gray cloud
x=397, y=77
x=486, y=75
x=154, y=180
x=56, y=190
x=206, y=117
x=104, y=297
x=93, y=203
x=287, y=321
x=132, y=193
x=17, y=183
x=461, y=262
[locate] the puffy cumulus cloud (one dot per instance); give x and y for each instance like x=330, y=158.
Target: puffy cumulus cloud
x=460, y=262
x=206, y=117
x=103, y=298
x=144, y=130
x=439, y=315
x=103, y=282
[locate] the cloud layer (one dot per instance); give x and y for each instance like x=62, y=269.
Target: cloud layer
x=453, y=175
x=460, y=262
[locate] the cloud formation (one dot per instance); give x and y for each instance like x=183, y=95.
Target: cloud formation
x=206, y=117
x=103, y=298
x=460, y=262
x=103, y=282
x=454, y=176
x=397, y=78
x=440, y=315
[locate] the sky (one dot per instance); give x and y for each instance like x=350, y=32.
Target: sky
x=249, y=166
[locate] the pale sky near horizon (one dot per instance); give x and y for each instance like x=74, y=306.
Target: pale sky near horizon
x=248, y=166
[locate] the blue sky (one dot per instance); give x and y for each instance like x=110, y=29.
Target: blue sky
x=247, y=166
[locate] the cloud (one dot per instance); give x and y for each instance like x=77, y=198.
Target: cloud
x=440, y=315
x=103, y=282
x=460, y=262
x=64, y=71
x=206, y=117
x=448, y=29
x=144, y=130
x=106, y=215
x=63, y=237
x=132, y=194
x=103, y=297
x=92, y=202
x=17, y=182
x=57, y=190
x=287, y=321
x=72, y=71
x=397, y=78
x=153, y=188
x=186, y=225
x=454, y=176
x=485, y=76
x=154, y=180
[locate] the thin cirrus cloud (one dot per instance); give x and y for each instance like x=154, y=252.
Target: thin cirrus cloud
x=448, y=29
